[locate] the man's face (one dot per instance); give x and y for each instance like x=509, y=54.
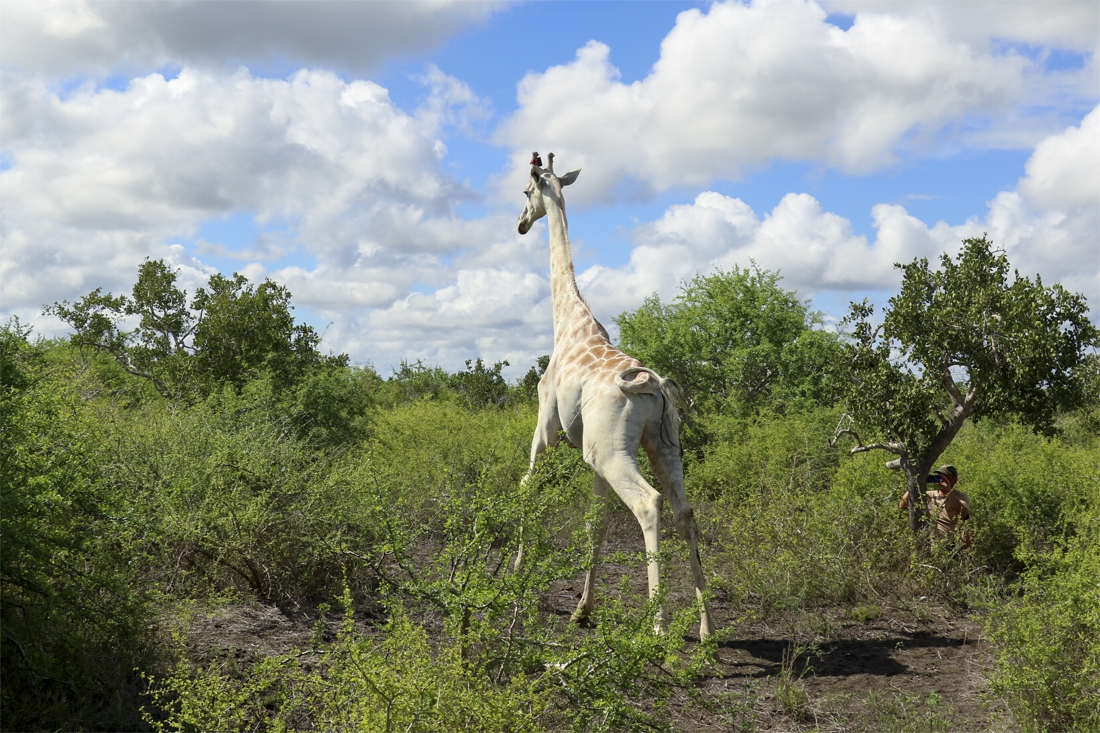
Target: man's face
x=946, y=483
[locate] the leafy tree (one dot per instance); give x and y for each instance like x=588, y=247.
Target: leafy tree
x=734, y=341
x=478, y=385
x=482, y=386
x=966, y=341
x=529, y=385
x=230, y=333
x=156, y=350
x=244, y=329
x=414, y=381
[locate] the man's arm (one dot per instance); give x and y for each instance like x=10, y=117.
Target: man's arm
x=956, y=507
x=963, y=513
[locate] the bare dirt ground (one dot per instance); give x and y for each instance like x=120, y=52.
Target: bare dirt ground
x=914, y=666
x=847, y=663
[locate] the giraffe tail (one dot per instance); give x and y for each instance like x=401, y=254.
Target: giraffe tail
x=670, y=427
x=640, y=380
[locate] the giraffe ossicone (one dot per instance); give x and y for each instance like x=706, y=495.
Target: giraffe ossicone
x=607, y=404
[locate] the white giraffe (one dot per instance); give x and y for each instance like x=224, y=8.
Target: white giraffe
x=607, y=404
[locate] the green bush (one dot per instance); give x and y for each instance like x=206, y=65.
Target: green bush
x=737, y=343
x=777, y=454
x=395, y=681
x=441, y=486
x=482, y=386
x=226, y=496
x=1048, y=639
x=74, y=616
x=397, y=677
x=1027, y=493
x=793, y=525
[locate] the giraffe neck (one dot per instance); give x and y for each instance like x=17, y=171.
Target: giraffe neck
x=564, y=293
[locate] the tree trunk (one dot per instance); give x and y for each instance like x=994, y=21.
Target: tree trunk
x=915, y=484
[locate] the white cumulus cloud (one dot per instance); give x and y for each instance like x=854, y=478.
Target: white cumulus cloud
x=100, y=179
x=1064, y=23
x=740, y=85
x=58, y=38
x=1049, y=225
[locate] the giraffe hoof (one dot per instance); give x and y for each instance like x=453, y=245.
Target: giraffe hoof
x=706, y=628
x=581, y=618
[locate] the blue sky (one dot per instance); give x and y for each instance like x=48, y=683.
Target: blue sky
x=370, y=156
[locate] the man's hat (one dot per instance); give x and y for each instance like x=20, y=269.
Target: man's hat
x=948, y=470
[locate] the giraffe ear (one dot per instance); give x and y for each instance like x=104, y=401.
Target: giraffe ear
x=569, y=177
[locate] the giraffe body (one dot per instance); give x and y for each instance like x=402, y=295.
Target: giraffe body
x=606, y=404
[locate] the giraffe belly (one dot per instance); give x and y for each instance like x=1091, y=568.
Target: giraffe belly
x=572, y=423
x=569, y=412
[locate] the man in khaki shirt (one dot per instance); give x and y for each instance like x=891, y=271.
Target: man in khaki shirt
x=946, y=505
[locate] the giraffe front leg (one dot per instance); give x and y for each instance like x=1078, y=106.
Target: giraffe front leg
x=597, y=530
x=546, y=435
x=517, y=565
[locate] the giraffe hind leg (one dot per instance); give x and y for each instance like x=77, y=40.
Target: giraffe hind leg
x=622, y=473
x=669, y=470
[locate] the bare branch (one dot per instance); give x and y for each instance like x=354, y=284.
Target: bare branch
x=123, y=360
x=973, y=391
x=943, y=420
x=841, y=429
x=836, y=437
x=896, y=448
x=951, y=387
x=845, y=419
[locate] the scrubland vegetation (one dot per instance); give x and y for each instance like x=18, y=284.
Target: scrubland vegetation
x=213, y=459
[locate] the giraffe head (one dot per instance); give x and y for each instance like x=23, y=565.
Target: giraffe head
x=543, y=183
